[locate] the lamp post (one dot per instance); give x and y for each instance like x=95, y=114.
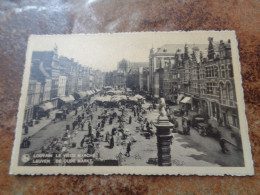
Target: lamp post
x=164, y=137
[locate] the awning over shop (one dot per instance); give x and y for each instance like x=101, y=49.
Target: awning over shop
x=46, y=106
x=67, y=99
x=107, y=87
x=180, y=96
x=117, y=98
x=89, y=92
x=82, y=94
x=132, y=98
x=186, y=100
x=114, y=92
x=139, y=96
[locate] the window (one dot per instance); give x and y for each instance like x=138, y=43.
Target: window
x=223, y=71
x=230, y=91
x=209, y=88
x=216, y=71
x=234, y=121
x=230, y=70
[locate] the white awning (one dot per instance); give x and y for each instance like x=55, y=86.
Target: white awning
x=139, y=96
x=180, y=96
x=46, y=106
x=186, y=100
x=67, y=99
x=132, y=98
x=89, y=92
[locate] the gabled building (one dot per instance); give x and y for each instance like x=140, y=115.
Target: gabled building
x=159, y=64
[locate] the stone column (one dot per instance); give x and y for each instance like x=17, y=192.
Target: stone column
x=164, y=139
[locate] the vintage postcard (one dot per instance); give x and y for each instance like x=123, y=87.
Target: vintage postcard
x=149, y=103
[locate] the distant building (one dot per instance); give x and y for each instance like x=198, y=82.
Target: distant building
x=160, y=62
x=33, y=99
x=144, y=78
x=62, y=86
x=46, y=90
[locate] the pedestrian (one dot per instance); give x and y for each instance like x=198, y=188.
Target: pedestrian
x=26, y=129
x=147, y=125
x=73, y=125
x=150, y=131
x=182, y=121
x=113, y=131
x=112, y=142
x=82, y=126
x=83, y=141
x=48, y=114
x=89, y=129
x=134, y=113
x=91, y=116
x=142, y=127
x=97, y=133
x=128, y=149
x=111, y=121
x=220, y=121
x=82, y=115
x=130, y=119
x=107, y=136
x=222, y=143
x=76, y=112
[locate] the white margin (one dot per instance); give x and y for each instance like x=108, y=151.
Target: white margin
x=248, y=169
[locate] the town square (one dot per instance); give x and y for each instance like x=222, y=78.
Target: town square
x=178, y=108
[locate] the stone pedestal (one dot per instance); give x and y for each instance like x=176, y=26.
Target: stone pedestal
x=164, y=139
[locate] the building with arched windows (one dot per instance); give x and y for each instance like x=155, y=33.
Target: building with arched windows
x=199, y=77
x=217, y=89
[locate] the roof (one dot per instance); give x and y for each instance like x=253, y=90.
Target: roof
x=67, y=99
x=46, y=106
x=167, y=49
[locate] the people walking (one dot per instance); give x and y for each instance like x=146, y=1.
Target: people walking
x=112, y=142
x=130, y=119
x=82, y=126
x=222, y=143
x=128, y=149
x=89, y=129
x=26, y=129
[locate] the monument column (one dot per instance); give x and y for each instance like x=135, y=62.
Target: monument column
x=164, y=137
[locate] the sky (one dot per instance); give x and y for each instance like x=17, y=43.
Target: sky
x=104, y=51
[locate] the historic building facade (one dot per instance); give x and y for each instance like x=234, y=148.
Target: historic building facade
x=203, y=84
x=160, y=63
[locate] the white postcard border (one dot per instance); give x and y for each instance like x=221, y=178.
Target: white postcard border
x=138, y=170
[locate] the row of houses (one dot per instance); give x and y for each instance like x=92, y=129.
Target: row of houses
x=200, y=79
x=57, y=80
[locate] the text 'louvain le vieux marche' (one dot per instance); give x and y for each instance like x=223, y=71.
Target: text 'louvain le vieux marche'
x=112, y=116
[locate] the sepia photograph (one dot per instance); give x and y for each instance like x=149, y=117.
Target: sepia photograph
x=132, y=103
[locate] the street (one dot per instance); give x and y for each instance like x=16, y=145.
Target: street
x=186, y=150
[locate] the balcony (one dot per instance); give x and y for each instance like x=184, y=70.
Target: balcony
x=229, y=103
